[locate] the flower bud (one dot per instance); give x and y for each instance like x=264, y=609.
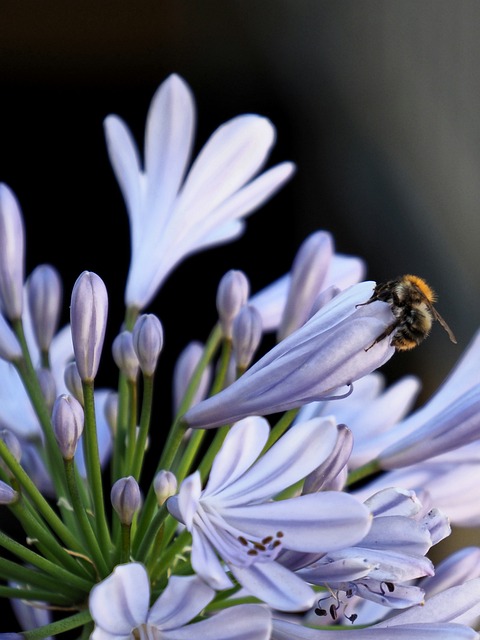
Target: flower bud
x=246, y=335
x=7, y=494
x=10, y=349
x=184, y=368
x=88, y=316
x=44, y=295
x=165, y=485
x=73, y=382
x=47, y=385
x=148, y=342
x=12, y=442
x=67, y=420
x=232, y=294
x=110, y=409
x=12, y=254
x=126, y=499
x=125, y=356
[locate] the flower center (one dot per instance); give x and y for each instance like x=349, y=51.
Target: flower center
x=146, y=632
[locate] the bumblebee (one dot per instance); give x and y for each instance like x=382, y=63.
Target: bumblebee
x=411, y=301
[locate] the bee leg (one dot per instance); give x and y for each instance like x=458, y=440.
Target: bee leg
x=388, y=331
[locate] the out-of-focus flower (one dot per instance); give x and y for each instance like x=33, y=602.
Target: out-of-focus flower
x=319, y=360
x=174, y=214
x=12, y=254
x=234, y=514
x=120, y=608
x=185, y=367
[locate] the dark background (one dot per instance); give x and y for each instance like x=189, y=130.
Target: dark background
x=376, y=102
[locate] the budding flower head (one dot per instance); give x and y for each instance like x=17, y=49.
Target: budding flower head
x=8, y=495
x=73, y=382
x=232, y=294
x=125, y=356
x=10, y=349
x=88, y=316
x=165, y=485
x=246, y=335
x=12, y=442
x=48, y=385
x=67, y=419
x=184, y=368
x=126, y=499
x=12, y=254
x=148, y=342
x=44, y=295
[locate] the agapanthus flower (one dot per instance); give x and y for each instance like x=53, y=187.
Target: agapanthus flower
x=236, y=517
x=120, y=608
x=319, y=360
x=173, y=213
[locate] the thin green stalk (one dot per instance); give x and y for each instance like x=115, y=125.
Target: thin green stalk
x=145, y=417
x=150, y=533
x=94, y=472
x=54, y=628
x=85, y=525
x=38, y=500
x=363, y=472
x=54, y=570
x=279, y=429
x=12, y=571
x=120, y=435
x=125, y=543
x=131, y=427
x=36, y=595
x=165, y=561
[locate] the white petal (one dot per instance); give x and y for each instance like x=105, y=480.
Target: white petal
x=206, y=563
x=313, y=523
x=168, y=141
x=241, y=448
x=243, y=622
x=188, y=497
x=275, y=585
x=184, y=597
x=120, y=603
x=292, y=457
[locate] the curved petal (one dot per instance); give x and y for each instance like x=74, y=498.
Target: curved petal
x=183, y=599
x=241, y=448
x=275, y=585
x=206, y=563
x=120, y=603
x=312, y=523
x=188, y=497
x=243, y=622
x=292, y=457
x=168, y=141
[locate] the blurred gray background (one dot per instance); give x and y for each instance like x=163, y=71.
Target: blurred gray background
x=378, y=103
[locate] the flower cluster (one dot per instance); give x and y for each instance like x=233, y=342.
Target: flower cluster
x=294, y=496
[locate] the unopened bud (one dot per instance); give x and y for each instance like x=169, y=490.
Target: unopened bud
x=110, y=409
x=7, y=494
x=73, y=382
x=232, y=294
x=126, y=499
x=246, y=335
x=67, y=420
x=148, y=342
x=44, y=295
x=12, y=254
x=125, y=356
x=12, y=443
x=88, y=316
x=165, y=485
x=184, y=368
x=10, y=349
x=47, y=385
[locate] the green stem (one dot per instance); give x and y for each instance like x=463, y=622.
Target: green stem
x=165, y=561
x=150, y=533
x=279, y=429
x=30, y=557
x=131, y=428
x=12, y=571
x=125, y=543
x=36, y=595
x=141, y=441
x=53, y=629
x=363, y=472
x=85, y=525
x=94, y=471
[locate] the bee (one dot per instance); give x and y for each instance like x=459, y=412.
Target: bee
x=411, y=301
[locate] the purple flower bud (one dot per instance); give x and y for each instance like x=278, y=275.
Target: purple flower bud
x=125, y=356
x=67, y=420
x=12, y=442
x=184, y=368
x=12, y=254
x=148, y=342
x=73, y=382
x=7, y=495
x=10, y=349
x=110, y=409
x=48, y=386
x=232, y=294
x=88, y=315
x=44, y=294
x=126, y=499
x=308, y=274
x=246, y=335
x=165, y=485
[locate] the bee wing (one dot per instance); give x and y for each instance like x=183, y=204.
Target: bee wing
x=438, y=317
